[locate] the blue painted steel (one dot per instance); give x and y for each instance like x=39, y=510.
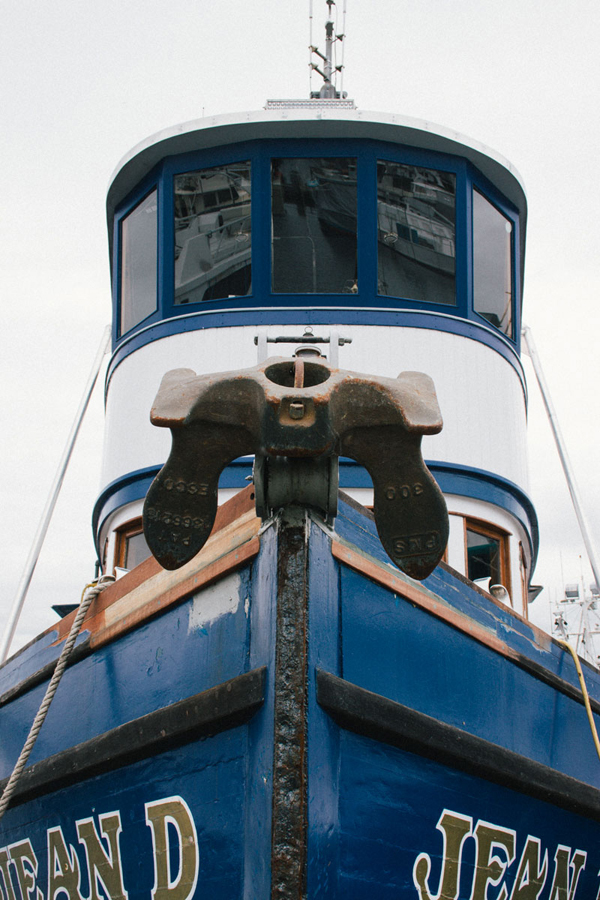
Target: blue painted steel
x=325, y=652
x=393, y=648
x=259, y=761
x=390, y=802
x=367, y=153
x=372, y=809
x=144, y=670
x=210, y=776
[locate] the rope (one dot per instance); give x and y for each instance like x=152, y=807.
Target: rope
x=90, y=592
x=584, y=691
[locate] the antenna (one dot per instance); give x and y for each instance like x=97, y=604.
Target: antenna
x=329, y=71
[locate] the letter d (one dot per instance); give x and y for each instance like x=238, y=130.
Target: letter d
x=180, y=884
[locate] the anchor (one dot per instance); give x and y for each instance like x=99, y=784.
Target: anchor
x=297, y=416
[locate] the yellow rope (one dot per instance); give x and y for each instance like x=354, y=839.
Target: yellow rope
x=584, y=691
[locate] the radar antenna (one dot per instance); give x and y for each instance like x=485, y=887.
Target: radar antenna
x=330, y=69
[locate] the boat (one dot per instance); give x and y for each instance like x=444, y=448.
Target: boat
x=212, y=235
x=306, y=668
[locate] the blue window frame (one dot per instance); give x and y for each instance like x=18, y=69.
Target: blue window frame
x=506, y=319
x=134, y=309
x=138, y=270
x=368, y=303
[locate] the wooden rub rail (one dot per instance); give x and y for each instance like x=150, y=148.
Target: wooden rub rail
x=217, y=709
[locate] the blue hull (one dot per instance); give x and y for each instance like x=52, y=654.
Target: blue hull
x=295, y=717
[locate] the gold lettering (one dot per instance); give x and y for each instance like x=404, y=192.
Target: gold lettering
x=104, y=866
x=489, y=867
x=531, y=878
x=9, y=891
x=159, y=815
x=63, y=867
x=563, y=886
x=455, y=829
x=26, y=865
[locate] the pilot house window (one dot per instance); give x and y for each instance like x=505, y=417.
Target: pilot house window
x=492, y=264
x=213, y=235
x=131, y=548
x=138, y=263
x=487, y=554
x=314, y=226
x=416, y=249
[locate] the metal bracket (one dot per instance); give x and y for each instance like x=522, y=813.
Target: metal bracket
x=297, y=416
x=307, y=338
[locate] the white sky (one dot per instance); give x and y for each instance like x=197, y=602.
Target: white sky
x=82, y=83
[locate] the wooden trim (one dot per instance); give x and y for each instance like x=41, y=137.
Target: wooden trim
x=122, y=535
x=103, y=633
x=481, y=526
x=151, y=599
x=148, y=590
x=217, y=709
x=524, y=580
x=437, y=607
x=381, y=719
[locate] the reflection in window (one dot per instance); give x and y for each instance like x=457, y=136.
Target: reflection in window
x=314, y=226
x=138, y=263
x=492, y=264
x=213, y=238
x=487, y=550
x=416, y=233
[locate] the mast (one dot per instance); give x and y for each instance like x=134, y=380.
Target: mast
x=329, y=71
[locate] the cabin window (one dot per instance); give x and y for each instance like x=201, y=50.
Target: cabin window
x=492, y=264
x=131, y=548
x=314, y=226
x=139, y=263
x=416, y=233
x=213, y=234
x=487, y=554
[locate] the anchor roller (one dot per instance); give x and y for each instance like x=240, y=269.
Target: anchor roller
x=297, y=416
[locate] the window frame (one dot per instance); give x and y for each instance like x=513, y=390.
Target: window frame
x=486, y=529
x=178, y=309
x=477, y=182
x=141, y=193
x=259, y=153
x=122, y=535
x=459, y=308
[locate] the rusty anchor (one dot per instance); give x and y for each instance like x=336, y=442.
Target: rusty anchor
x=297, y=416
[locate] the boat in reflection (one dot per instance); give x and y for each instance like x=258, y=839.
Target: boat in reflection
x=212, y=234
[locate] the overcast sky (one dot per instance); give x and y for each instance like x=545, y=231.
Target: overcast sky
x=82, y=83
